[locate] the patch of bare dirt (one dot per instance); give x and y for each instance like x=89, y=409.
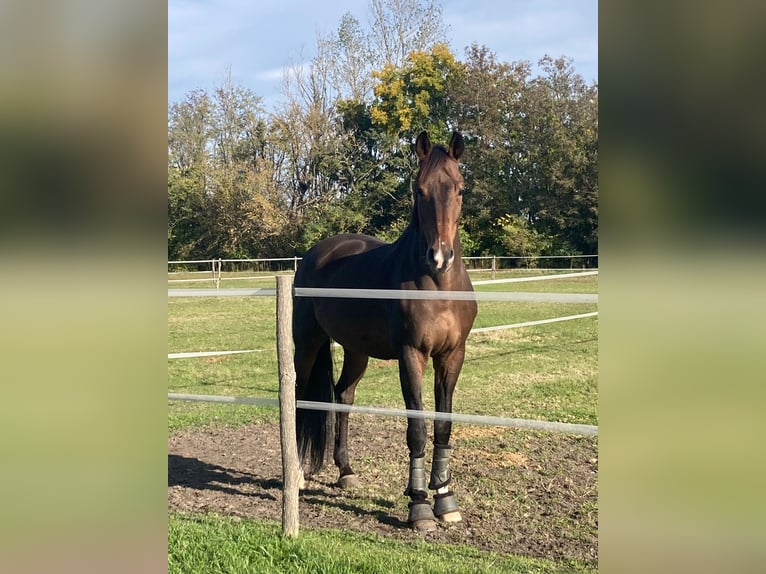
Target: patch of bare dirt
x=527, y=493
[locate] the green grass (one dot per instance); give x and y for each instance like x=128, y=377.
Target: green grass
x=211, y=544
x=543, y=372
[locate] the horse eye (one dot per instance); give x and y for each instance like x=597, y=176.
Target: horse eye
x=461, y=190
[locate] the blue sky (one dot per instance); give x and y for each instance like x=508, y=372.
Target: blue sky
x=255, y=39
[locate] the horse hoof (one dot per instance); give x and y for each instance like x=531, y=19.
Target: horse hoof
x=424, y=525
x=453, y=516
x=349, y=482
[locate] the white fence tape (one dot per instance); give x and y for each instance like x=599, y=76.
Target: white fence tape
x=526, y=424
x=210, y=353
x=533, y=323
x=535, y=278
x=267, y=292
x=520, y=297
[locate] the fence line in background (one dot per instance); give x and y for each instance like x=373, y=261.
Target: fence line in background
x=192, y=355
x=476, y=330
x=474, y=257
x=519, y=297
x=482, y=282
x=528, y=257
x=221, y=278
x=535, y=278
x=524, y=424
x=478, y=269
x=200, y=261
x=258, y=292
x=532, y=323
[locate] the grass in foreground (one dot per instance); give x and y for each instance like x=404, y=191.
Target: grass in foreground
x=211, y=544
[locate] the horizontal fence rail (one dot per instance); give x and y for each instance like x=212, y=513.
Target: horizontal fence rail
x=466, y=258
x=191, y=355
x=524, y=424
x=444, y=295
x=533, y=323
x=536, y=278
x=396, y=294
x=264, y=292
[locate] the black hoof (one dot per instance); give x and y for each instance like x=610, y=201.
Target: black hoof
x=420, y=512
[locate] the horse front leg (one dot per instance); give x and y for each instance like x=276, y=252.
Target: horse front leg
x=446, y=371
x=411, y=367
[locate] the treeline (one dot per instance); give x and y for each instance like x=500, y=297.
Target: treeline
x=337, y=155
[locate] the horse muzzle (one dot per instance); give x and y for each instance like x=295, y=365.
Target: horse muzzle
x=440, y=260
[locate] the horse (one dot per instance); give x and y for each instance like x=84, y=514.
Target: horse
x=426, y=257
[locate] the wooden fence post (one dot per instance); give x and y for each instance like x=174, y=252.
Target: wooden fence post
x=290, y=463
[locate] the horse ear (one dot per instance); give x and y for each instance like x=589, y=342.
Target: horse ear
x=456, y=145
x=422, y=145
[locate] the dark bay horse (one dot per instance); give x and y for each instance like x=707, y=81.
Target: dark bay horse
x=426, y=257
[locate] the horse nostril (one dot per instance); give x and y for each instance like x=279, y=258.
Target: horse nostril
x=450, y=254
x=430, y=255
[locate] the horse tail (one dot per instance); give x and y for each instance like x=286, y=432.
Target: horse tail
x=312, y=426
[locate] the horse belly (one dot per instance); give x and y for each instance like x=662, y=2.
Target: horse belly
x=358, y=325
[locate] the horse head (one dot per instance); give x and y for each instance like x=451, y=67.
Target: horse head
x=439, y=199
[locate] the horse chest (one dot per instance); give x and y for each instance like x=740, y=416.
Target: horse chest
x=434, y=327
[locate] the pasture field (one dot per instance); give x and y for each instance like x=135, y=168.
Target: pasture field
x=546, y=372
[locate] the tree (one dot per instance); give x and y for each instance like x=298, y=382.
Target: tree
x=399, y=27
x=561, y=135
x=533, y=147
x=415, y=96
x=222, y=201
x=337, y=155
x=487, y=106
x=350, y=59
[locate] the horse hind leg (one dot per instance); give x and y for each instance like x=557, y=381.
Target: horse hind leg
x=313, y=371
x=354, y=367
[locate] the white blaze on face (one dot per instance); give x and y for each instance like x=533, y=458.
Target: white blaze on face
x=439, y=258
x=442, y=257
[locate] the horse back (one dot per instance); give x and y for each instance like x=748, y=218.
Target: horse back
x=333, y=249
x=348, y=261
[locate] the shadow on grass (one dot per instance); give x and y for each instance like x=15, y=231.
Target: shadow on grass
x=319, y=498
x=200, y=475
